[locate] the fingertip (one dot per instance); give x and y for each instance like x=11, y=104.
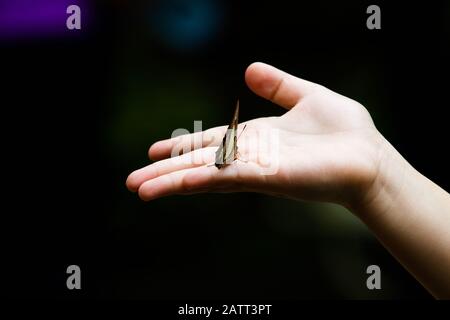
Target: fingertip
x=144, y=197
x=158, y=150
x=151, y=152
x=263, y=79
x=276, y=85
x=146, y=192
x=142, y=193
x=131, y=183
x=253, y=74
x=255, y=65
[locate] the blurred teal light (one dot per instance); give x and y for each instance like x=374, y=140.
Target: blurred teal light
x=186, y=25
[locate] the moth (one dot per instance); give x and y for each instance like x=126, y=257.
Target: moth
x=228, y=150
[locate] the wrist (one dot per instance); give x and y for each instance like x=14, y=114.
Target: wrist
x=387, y=185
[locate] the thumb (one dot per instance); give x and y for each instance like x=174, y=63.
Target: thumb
x=276, y=85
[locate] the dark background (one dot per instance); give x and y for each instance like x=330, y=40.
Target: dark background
x=80, y=109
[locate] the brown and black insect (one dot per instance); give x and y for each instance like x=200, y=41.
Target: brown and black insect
x=228, y=150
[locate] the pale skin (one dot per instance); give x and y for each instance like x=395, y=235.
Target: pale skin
x=329, y=150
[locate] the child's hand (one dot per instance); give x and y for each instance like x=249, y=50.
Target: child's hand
x=327, y=149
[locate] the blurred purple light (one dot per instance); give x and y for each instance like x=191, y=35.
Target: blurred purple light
x=25, y=18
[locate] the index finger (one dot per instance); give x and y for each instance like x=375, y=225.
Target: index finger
x=166, y=148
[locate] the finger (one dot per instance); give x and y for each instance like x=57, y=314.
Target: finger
x=182, y=144
x=192, y=159
x=236, y=177
x=187, y=181
x=276, y=85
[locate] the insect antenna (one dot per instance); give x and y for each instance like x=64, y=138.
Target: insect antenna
x=242, y=131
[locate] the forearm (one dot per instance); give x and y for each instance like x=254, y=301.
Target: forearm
x=411, y=216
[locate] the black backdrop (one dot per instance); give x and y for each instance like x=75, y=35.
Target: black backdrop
x=65, y=201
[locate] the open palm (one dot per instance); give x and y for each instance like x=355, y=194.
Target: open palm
x=325, y=147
